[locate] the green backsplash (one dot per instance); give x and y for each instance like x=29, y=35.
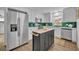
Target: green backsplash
x=32, y=24
x=46, y=24
x=73, y=23
x=42, y=24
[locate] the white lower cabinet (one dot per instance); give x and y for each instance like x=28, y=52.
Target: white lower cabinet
x=69, y=34
x=74, y=35
x=30, y=31
x=66, y=34
x=58, y=32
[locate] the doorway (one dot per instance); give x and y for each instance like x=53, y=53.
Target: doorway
x=2, y=41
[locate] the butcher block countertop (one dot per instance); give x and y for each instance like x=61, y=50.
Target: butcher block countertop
x=42, y=30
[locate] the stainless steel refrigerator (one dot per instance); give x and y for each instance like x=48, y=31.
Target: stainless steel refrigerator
x=17, y=28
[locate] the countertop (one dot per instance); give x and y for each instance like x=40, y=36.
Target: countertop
x=67, y=28
x=42, y=30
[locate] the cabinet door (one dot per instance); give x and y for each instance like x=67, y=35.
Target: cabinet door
x=47, y=17
x=74, y=35
x=52, y=36
x=62, y=33
x=58, y=32
x=49, y=38
x=69, y=14
x=68, y=34
x=30, y=31
x=36, y=43
x=46, y=40
x=42, y=39
x=30, y=34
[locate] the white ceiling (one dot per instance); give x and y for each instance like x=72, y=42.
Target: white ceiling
x=43, y=8
x=40, y=10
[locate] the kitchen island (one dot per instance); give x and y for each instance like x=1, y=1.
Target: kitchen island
x=42, y=39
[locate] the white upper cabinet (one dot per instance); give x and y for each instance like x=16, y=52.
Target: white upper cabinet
x=69, y=14
x=51, y=16
x=47, y=17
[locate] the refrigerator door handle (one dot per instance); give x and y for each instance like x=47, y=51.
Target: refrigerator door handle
x=18, y=26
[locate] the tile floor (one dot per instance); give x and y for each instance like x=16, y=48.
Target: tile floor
x=2, y=46
x=59, y=45
x=63, y=45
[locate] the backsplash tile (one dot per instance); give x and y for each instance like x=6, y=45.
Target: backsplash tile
x=72, y=23
x=32, y=24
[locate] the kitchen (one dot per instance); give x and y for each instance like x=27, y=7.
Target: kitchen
x=64, y=25
x=55, y=27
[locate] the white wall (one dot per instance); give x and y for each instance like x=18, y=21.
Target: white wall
x=2, y=21
x=32, y=13
x=41, y=11
x=1, y=27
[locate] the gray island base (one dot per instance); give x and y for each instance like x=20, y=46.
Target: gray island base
x=42, y=39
